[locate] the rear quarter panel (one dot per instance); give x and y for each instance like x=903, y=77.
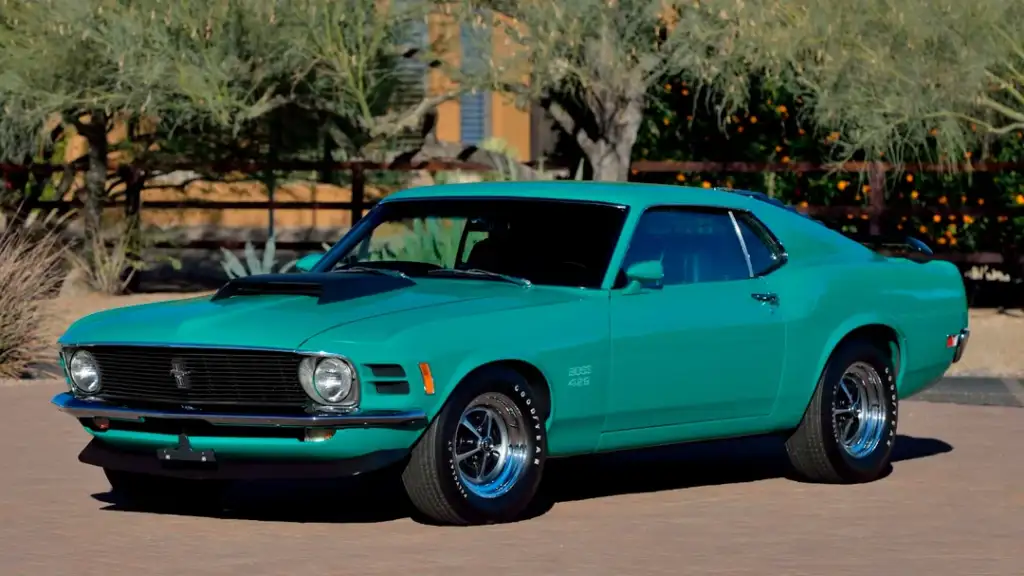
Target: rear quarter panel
x=833, y=286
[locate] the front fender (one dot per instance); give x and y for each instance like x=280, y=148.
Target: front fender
x=559, y=340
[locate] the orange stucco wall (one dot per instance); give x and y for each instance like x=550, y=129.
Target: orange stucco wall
x=507, y=122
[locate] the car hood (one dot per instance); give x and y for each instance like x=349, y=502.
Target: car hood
x=249, y=314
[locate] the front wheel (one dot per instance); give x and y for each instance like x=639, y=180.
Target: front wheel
x=849, y=428
x=159, y=492
x=480, y=461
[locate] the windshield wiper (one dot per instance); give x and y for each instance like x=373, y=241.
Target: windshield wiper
x=374, y=270
x=478, y=273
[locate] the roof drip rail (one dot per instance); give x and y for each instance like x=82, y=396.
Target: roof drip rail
x=768, y=199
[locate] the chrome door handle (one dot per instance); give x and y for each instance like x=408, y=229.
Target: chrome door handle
x=767, y=297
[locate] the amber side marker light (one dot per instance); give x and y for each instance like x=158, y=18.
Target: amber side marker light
x=428, y=378
x=318, y=434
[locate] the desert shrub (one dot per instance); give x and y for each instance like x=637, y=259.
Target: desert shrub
x=30, y=270
x=253, y=265
x=106, y=262
x=427, y=241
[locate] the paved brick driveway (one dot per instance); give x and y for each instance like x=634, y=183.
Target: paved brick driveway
x=953, y=505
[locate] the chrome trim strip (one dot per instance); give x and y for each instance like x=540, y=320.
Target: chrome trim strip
x=506, y=197
x=743, y=244
x=92, y=344
x=78, y=408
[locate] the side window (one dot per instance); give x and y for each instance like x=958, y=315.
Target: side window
x=693, y=245
x=765, y=251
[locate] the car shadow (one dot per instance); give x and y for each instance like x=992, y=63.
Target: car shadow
x=379, y=496
x=734, y=461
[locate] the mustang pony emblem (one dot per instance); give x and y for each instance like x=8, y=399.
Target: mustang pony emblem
x=181, y=374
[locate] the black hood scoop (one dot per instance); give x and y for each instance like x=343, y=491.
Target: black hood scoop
x=325, y=287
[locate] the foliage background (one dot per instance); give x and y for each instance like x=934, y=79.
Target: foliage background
x=679, y=126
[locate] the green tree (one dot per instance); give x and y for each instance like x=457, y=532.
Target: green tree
x=58, y=64
x=343, y=79
x=909, y=78
x=593, y=63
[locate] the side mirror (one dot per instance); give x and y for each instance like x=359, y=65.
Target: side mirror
x=648, y=273
x=307, y=262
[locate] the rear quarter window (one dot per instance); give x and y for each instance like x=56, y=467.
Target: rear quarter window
x=766, y=254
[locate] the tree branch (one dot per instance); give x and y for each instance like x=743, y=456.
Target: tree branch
x=391, y=125
x=991, y=104
x=569, y=124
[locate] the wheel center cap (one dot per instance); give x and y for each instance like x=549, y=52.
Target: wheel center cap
x=486, y=444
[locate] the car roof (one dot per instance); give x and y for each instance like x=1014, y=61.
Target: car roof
x=800, y=234
x=630, y=194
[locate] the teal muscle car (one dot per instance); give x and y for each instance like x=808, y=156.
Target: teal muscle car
x=468, y=333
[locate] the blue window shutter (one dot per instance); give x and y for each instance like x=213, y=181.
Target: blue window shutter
x=473, y=117
x=474, y=107
x=412, y=74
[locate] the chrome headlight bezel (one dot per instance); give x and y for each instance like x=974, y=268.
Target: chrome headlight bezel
x=308, y=370
x=82, y=355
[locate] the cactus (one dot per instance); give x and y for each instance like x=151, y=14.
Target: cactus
x=234, y=268
x=427, y=242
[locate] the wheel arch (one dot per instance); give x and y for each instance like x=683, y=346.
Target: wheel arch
x=533, y=374
x=883, y=334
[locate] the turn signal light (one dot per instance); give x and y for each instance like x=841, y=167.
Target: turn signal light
x=428, y=378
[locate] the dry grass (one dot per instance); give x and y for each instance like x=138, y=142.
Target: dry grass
x=30, y=266
x=996, y=348
x=105, y=262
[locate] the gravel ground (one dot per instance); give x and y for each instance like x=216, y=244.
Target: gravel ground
x=994, y=350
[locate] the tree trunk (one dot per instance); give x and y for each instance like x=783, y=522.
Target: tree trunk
x=612, y=155
x=609, y=162
x=95, y=191
x=608, y=141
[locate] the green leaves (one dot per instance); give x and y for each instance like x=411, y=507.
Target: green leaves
x=909, y=78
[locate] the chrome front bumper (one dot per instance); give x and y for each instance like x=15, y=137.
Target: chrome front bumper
x=79, y=408
x=961, y=344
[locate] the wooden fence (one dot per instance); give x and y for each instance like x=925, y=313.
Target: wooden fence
x=876, y=210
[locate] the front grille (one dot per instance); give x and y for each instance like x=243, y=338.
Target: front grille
x=215, y=376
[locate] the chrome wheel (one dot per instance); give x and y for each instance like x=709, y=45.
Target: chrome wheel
x=491, y=448
x=858, y=410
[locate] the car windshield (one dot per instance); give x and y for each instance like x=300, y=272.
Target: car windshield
x=521, y=241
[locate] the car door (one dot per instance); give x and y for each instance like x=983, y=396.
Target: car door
x=705, y=344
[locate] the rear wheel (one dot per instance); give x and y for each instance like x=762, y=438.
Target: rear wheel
x=849, y=428
x=160, y=492
x=481, y=459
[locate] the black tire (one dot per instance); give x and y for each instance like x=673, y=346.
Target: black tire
x=163, y=493
x=815, y=448
x=432, y=479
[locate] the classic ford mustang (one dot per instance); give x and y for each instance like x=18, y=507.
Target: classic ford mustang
x=468, y=333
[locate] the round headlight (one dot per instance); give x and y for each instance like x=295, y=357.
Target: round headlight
x=84, y=372
x=332, y=380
